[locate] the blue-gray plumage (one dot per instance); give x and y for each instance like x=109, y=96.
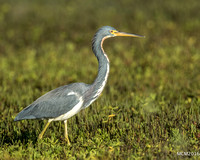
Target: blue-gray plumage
x=54, y=103
x=65, y=101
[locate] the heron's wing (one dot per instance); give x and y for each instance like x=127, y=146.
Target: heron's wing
x=51, y=105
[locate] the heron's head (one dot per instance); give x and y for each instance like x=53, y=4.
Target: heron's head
x=107, y=32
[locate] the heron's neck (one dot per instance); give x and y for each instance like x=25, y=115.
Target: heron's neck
x=103, y=70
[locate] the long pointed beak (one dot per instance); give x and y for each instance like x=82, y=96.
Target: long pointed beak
x=128, y=34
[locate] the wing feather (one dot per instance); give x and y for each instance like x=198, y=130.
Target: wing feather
x=50, y=105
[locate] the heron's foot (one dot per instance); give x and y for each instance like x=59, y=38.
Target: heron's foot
x=67, y=140
x=40, y=136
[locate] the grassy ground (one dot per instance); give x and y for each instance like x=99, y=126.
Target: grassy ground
x=150, y=107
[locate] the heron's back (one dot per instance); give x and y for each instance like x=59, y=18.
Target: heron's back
x=56, y=102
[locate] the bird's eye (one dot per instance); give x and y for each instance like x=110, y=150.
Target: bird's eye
x=113, y=31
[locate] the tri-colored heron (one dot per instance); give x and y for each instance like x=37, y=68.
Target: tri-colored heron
x=66, y=101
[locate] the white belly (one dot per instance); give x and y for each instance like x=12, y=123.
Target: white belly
x=70, y=113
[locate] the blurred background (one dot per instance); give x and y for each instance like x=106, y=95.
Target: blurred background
x=61, y=32
x=45, y=44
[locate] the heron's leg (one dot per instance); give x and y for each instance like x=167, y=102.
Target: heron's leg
x=66, y=134
x=45, y=128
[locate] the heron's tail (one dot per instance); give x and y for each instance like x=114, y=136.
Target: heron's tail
x=25, y=114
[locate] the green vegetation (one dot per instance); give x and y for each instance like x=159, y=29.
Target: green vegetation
x=150, y=107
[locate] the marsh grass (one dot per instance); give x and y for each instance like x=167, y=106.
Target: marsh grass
x=150, y=106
